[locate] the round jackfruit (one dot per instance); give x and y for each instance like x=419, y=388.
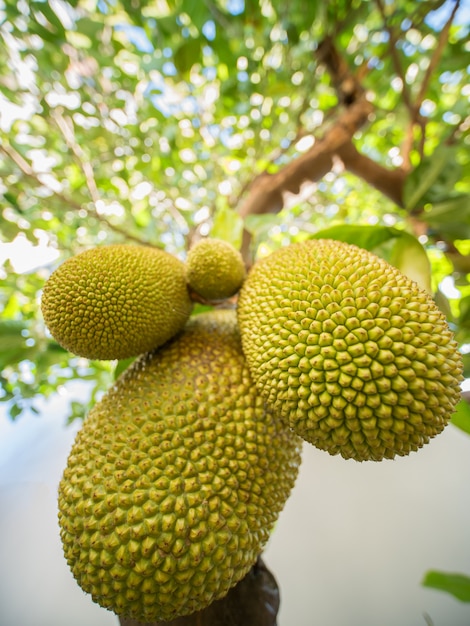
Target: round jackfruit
x=116, y=301
x=214, y=269
x=354, y=355
x=176, y=478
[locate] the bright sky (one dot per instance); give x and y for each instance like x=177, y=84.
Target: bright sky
x=24, y=256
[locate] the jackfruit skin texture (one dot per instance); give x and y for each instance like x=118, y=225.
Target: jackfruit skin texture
x=116, y=301
x=214, y=269
x=351, y=353
x=176, y=478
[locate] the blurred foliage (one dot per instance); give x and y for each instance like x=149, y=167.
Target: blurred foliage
x=124, y=121
x=457, y=585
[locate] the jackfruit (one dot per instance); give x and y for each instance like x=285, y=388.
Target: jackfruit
x=176, y=478
x=351, y=353
x=214, y=269
x=116, y=301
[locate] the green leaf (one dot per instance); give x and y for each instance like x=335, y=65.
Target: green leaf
x=456, y=584
x=464, y=312
x=49, y=14
x=228, y=225
x=91, y=28
x=367, y=237
x=450, y=217
x=409, y=256
x=15, y=355
x=167, y=25
x=186, y=55
x=12, y=334
x=121, y=366
x=13, y=200
x=461, y=417
x=77, y=411
x=444, y=305
x=466, y=362
x=198, y=12
x=14, y=411
x=424, y=176
x=455, y=210
x=201, y=308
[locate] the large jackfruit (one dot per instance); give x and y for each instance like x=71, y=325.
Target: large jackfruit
x=176, y=478
x=350, y=352
x=116, y=301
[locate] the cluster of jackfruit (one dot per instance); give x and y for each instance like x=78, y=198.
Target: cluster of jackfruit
x=178, y=474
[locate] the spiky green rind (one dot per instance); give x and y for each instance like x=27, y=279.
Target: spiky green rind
x=214, y=269
x=176, y=478
x=357, y=359
x=116, y=301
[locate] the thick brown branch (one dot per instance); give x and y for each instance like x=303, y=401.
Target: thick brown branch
x=266, y=191
x=389, y=182
x=347, y=85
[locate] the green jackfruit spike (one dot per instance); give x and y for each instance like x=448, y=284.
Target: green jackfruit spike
x=176, y=478
x=214, y=269
x=351, y=353
x=116, y=301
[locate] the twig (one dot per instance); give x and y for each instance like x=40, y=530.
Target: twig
x=218, y=16
x=175, y=213
x=29, y=172
x=18, y=160
x=407, y=146
x=436, y=57
x=396, y=60
x=65, y=126
x=414, y=106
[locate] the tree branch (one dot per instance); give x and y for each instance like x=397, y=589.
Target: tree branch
x=389, y=182
x=65, y=126
x=266, y=191
x=396, y=60
x=347, y=85
x=436, y=56
x=68, y=202
x=19, y=161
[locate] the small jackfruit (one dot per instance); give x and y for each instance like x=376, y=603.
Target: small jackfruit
x=214, y=269
x=116, y=301
x=176, y=478
x=351, y=353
